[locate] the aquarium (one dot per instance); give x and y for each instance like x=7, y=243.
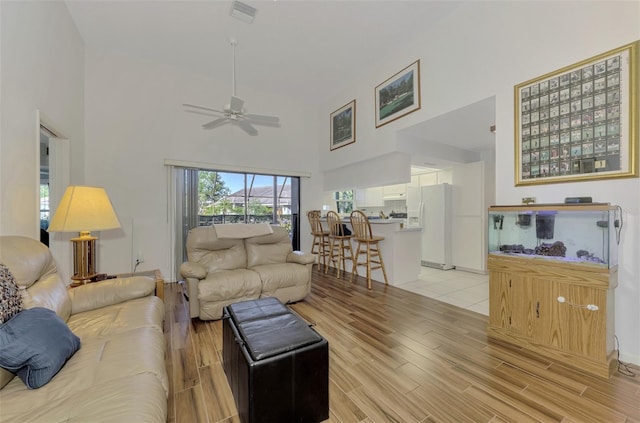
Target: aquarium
x=585, y=234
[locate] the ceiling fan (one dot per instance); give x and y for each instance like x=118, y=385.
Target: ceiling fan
x=234, y=112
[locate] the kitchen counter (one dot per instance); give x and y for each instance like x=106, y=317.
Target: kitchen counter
x=385, y=221
x=401, y=250
x=400, y=228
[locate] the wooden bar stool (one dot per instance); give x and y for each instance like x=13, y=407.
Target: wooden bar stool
x=367, y=245
x=340, y=244
x=320, y=244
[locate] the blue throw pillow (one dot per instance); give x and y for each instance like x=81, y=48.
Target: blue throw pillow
x=35, y=344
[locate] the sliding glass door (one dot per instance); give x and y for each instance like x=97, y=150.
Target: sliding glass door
x=206, y=197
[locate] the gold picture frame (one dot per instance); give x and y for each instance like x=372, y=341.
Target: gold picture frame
x=399, y=95
x=580, y=122
x=343, y=126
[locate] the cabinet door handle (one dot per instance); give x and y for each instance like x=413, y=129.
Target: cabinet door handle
x=538, y=309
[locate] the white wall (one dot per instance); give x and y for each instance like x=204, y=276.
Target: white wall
x=135, y=120
x=485, y=49
x=41, y=68
x=382, y=170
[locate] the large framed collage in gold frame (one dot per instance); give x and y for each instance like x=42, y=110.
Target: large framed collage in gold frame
x=580, y=122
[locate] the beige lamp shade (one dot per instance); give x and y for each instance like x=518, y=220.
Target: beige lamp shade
x=84, y=209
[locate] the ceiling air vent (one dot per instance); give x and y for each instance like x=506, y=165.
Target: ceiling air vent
x=242, y=11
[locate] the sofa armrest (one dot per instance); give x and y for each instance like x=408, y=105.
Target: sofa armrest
x=109, y=292
x=191, y=269
x=301, y=257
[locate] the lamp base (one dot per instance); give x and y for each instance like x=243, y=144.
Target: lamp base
x=84, y=257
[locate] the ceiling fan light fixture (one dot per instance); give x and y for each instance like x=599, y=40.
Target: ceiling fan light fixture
x=243, y=11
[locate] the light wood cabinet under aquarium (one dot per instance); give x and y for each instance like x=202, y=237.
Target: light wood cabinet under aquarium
x=552, y=274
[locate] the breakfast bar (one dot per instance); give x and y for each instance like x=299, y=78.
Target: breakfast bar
x=401, y=250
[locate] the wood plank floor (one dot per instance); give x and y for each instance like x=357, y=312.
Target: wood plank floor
x=399, y=357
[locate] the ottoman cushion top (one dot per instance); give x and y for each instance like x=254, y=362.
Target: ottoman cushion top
x=245, y=311
x=269, y=328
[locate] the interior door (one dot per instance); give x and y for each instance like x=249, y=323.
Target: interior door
x=469, y=217
x=59, y=171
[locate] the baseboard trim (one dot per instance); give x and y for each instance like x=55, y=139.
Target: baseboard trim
x=630, y=358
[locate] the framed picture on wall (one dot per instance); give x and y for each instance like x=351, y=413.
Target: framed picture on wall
x=589, y=110
x=399, y=95
x=343, y=126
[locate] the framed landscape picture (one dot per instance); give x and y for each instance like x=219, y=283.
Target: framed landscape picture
x=398, y=95
x=343, y=126
x=580, y=122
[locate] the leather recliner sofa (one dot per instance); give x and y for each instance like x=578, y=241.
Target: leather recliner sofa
x=118, y=374
x=222, y=271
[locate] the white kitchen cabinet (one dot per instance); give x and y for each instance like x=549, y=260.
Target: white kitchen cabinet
x=397, y=191
x=429, y=179
x=369, y=197
x=360, y=197
x=445, y=176
x=435, y=178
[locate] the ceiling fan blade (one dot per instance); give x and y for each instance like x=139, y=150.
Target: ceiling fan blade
x=262, y=123
x=214, y=123
x=263, y=118
x=247, y=127
x=202, y=112
x=236, y=104
x=202, y=108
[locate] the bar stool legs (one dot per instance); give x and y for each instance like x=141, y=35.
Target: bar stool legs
x=320, y=246
x=372, y=252
x=339, y=252
x=368, y=245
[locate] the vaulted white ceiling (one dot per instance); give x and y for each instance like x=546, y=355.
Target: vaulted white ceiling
x=301, y=47
x=304, y=49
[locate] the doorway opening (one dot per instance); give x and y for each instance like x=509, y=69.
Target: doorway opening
x=45, y=183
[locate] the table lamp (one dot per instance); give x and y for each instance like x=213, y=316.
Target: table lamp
x=84, y=209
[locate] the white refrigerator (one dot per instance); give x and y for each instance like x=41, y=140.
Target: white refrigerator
x=430, y=208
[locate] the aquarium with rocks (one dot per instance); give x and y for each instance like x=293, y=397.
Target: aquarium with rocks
x=584, y=234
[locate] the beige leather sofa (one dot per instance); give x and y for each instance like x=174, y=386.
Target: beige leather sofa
x=118, y=374
x=222, y=271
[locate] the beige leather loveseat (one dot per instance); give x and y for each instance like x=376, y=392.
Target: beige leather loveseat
x=118, y=374
x=221, y=271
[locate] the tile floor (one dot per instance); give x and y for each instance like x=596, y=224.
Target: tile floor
x=463, y=289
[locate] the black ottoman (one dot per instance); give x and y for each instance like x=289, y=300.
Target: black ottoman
x=276, y=365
